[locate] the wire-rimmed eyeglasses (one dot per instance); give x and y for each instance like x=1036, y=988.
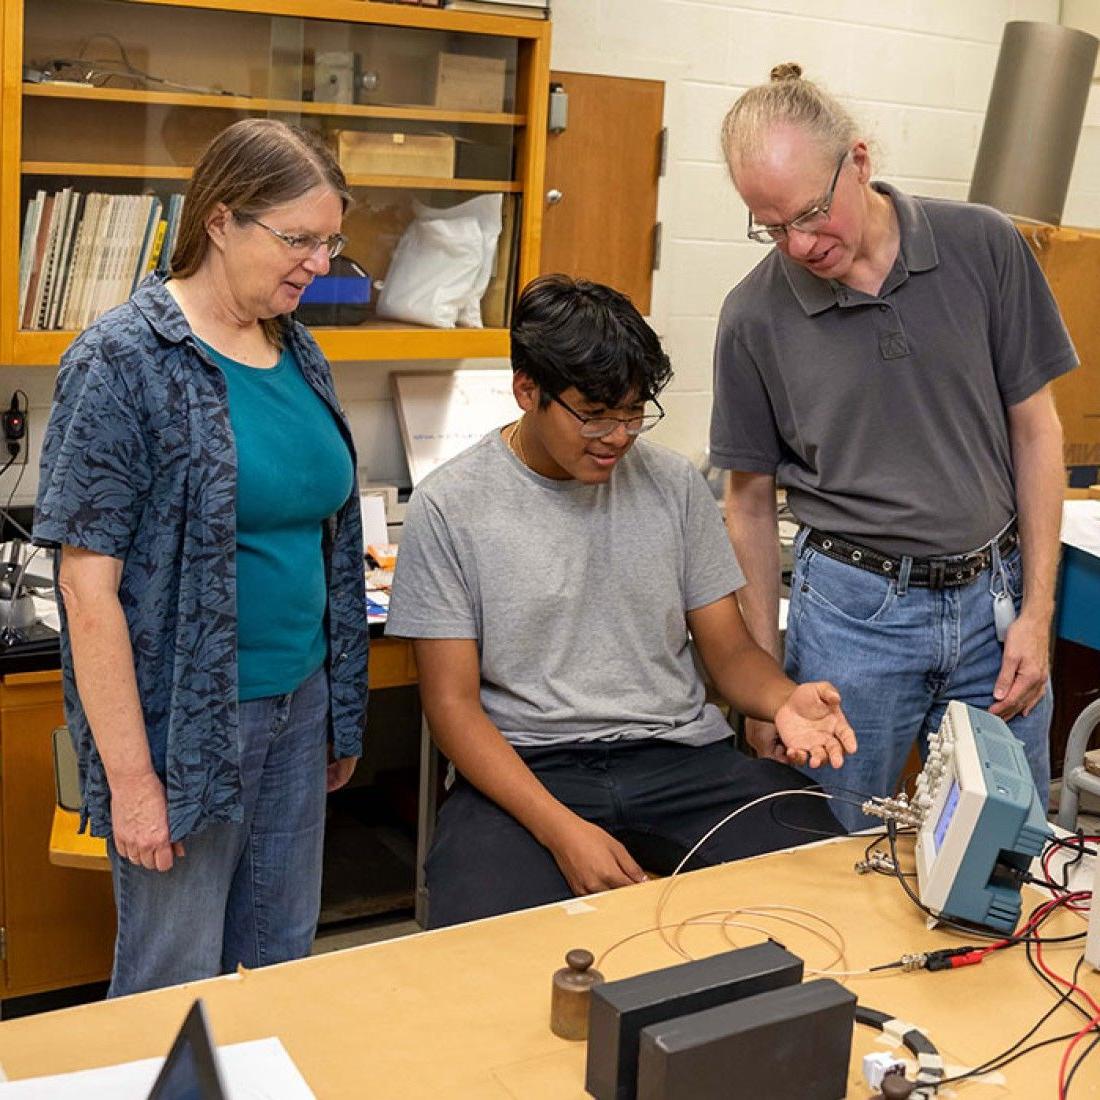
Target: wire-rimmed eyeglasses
x=809, y=221
x=596, y=427
x=301, y=244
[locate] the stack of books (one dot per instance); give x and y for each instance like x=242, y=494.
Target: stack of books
x=83, y=254
x=525, y=9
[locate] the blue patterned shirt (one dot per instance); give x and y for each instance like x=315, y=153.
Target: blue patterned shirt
x=139, y=464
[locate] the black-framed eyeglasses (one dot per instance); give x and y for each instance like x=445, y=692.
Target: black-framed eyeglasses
x=596, y=427
x=810, y=221
x=301, y=244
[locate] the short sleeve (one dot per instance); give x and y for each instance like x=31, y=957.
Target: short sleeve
x=430, y=596
x=711, y=567
x=1031, y=346
x=95, y=470
x=743, y=432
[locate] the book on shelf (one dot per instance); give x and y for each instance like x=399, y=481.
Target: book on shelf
x=171, y=232
x=31, y=223
x=38, y=252
x=64, y=258
x=84, y=253
x=523, y=9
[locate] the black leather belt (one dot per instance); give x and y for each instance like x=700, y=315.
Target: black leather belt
x=947, y=572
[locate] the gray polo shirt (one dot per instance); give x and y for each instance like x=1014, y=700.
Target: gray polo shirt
x=885, y=415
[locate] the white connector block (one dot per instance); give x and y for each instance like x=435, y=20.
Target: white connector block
x=878, y=1064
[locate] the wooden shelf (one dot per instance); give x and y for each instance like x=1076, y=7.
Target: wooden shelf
x=176, y=172
x=385, y=14
x=280, y=106
x=109, y=171
x=384, y=341
x=432, y=183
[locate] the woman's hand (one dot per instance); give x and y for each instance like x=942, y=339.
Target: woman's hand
x=338, y=772
x=139, y=822
x=813, y=727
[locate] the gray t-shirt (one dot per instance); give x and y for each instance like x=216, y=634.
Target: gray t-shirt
x=885, y=416
x=576, y=594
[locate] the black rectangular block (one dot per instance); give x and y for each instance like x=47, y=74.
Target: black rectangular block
x=786, y=1044
x=619, y=1010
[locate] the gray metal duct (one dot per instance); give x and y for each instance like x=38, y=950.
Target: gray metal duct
x=1033, y=121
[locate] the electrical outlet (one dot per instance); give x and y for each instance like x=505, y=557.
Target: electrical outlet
x=16, y=432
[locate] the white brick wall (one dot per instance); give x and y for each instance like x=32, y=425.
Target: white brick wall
x=916, y=72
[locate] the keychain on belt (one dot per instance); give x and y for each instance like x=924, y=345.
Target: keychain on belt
x=1004, y=607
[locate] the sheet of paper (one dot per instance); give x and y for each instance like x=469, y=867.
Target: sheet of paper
x=372, y=511
x=257, y=1070
x=1081, y=525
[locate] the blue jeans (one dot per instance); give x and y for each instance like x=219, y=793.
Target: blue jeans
x=656, y=797
x=898, y=656
x=247, y=893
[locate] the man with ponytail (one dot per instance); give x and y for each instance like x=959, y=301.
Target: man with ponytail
x=888, y=363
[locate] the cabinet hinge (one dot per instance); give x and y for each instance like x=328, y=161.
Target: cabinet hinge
x=662, y=152
x=658, y=233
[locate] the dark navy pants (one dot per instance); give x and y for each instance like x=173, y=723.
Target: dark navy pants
x=657, y=798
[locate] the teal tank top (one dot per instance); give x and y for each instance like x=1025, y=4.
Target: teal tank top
x=294, y=470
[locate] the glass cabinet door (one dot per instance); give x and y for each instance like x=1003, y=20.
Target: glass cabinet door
x=428, y=121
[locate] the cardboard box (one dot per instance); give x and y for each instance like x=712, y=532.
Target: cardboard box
x=1070, y=259
x=369, y=153
x=465, y=83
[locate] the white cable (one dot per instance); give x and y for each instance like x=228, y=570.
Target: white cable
x=707, y=835
x=740, y=810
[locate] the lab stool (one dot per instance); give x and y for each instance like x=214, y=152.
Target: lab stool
x=1075, y=776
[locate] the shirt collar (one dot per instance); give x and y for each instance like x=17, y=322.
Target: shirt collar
x=918, y=253
x=161, y=310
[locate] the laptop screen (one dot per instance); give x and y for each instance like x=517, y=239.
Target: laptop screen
x=190, y=1072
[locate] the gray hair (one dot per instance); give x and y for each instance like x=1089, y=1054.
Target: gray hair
x=786, y=99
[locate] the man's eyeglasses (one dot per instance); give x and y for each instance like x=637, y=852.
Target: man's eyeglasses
x=301, y=244
x=596, y=427
x=808, y=222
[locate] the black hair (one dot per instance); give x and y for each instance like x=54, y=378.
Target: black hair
x=571, y=332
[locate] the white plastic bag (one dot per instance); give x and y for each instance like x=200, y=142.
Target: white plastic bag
x=442, y=265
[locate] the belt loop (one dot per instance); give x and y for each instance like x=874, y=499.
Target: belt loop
x=800, y=540
x=937, y=573
x=903, y=574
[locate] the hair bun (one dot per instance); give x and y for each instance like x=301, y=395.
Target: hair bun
x=788, y=70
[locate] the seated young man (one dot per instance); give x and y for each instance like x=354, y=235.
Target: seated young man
x=550, y=576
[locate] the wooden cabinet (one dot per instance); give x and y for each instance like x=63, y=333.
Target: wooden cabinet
x=58, y=923
x=117, y=97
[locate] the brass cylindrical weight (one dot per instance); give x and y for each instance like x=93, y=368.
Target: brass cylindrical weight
x=571, y=993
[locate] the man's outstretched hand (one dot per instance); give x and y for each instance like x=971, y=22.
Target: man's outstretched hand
x=813, y=728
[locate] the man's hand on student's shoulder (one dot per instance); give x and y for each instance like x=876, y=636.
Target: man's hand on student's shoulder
x=591, y=859
x=813, y=728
